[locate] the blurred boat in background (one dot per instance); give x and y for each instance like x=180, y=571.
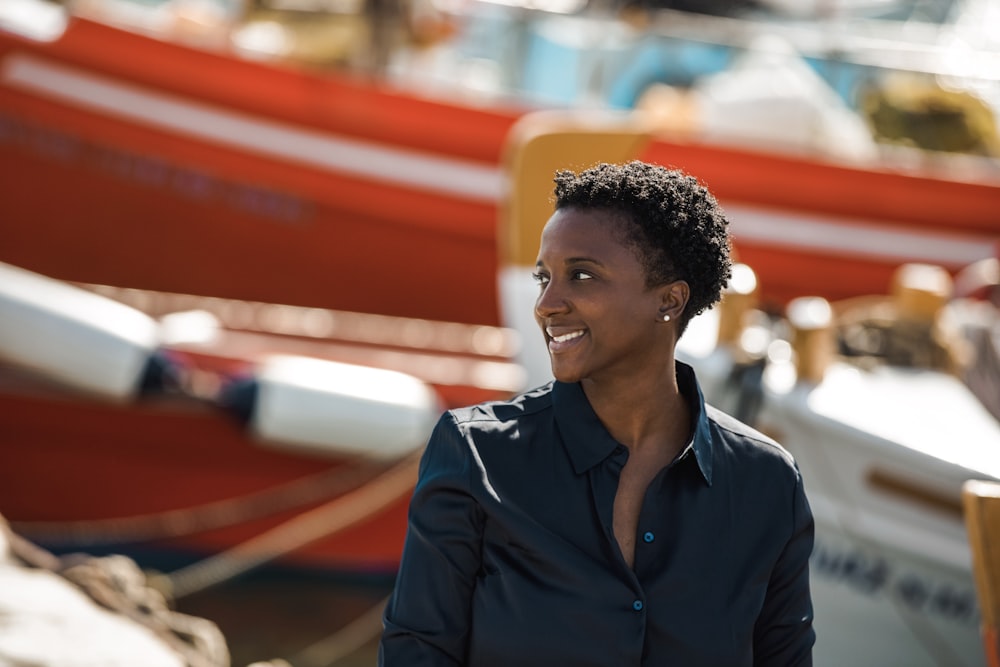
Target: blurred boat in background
x=155, y=165
x=879, y=400
x=145, y=149
x=229, y=448
x=189, y=427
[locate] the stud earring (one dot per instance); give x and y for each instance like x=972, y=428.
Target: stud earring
x=666, y=318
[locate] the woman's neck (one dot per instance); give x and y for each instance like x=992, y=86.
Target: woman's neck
x=642, y=412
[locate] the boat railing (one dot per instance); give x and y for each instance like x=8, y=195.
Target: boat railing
x=915, y=46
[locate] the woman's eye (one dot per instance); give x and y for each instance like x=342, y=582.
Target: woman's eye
x=581, y=275
x=540, y=278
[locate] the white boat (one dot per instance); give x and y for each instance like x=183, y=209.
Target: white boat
x=884, y=454
x=884, y=451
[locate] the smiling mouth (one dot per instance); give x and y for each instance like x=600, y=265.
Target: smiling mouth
x=561, y=341
x=566, y=337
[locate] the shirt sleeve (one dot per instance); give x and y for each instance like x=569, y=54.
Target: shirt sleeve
x=784, y=635
x=427, y=619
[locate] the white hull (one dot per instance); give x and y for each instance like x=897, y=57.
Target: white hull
x=877, y=606
x=884, y=456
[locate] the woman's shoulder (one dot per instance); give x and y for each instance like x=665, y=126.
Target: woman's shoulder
x=490, y=433
x=744, y=440
x=524, y=405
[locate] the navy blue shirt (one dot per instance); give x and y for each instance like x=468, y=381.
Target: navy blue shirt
x=510, y=558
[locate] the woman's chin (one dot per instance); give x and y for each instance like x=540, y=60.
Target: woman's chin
x=565, y=374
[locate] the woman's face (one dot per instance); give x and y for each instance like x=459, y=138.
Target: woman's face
x=597, y=315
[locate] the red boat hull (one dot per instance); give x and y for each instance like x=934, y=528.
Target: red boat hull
x=123, y=201
x=396, y=209
x=178, y=472
x=101, y=461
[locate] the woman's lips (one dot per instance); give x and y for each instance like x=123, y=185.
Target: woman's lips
x=559, y=342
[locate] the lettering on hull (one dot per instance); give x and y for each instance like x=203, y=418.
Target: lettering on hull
x=153, y=172
x=875, y=575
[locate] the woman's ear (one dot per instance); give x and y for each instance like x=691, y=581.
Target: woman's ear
x=673, y=300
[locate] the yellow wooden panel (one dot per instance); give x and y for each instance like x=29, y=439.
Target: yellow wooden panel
x=541, y=143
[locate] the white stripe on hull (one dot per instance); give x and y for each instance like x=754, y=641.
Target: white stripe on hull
x=461, y=178
x=873, y=240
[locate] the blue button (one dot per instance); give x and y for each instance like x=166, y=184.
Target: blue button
x=637, y=605
x=648, y=537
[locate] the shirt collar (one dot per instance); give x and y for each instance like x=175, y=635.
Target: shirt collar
x=588, y=442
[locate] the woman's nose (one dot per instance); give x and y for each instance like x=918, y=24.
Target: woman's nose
x=550, y=301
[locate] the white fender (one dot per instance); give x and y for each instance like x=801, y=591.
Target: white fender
x=82, y=339
x=342, y=408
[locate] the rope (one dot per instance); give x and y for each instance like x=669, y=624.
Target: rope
x=186, y=521
x=310, y=526
x=117, y=584
x=344, y=642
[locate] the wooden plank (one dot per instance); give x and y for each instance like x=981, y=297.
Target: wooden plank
x=981, y=502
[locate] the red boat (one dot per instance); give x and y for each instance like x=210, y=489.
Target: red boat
x=131, y=160
x=118, y=434
x=165, y=169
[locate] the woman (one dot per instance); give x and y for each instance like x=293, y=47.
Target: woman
x=610, y=517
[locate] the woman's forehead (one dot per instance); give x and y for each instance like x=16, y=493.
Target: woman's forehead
x=591, y=233
x=588, y=221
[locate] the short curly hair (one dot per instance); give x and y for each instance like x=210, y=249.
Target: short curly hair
x=673, y=222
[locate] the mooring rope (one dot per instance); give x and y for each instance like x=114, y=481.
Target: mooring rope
x=312, y=525
x=202, y=518
x=345, y=641
x=116, y=583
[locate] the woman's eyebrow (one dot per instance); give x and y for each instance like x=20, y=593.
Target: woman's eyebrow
x=574, y=260
x=583, y=260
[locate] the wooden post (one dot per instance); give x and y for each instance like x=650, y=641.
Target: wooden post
x=811, y=319
x=921, y=291
x=981, y=504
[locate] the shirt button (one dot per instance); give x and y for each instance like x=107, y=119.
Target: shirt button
x=648, y=537
x=637, y=605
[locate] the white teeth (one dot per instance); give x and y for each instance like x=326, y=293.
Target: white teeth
x=566, y=337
